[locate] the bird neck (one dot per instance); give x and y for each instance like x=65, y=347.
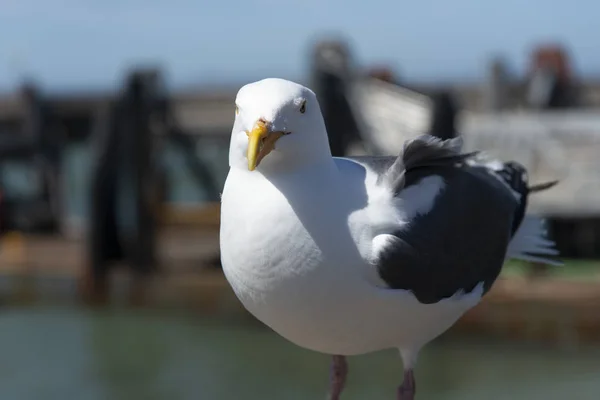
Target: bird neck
x=322, y=168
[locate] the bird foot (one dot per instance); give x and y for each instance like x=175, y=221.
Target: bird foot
x=339, y=371
x=406, y=391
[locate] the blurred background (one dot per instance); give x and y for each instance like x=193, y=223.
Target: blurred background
x=114, y=131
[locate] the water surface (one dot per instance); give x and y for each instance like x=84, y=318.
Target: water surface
x=53, y=353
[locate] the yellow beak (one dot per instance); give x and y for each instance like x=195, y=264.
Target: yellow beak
x=261, y=141
x=255, y=143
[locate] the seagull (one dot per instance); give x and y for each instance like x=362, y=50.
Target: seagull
x=347, y=256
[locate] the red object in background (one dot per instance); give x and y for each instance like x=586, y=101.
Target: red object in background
x=382, y=73
x=555, y=57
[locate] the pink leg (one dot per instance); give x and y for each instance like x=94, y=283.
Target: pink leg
x=406, y=391
x=339, y=371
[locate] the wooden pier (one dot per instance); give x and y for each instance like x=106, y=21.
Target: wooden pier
x=37, y=269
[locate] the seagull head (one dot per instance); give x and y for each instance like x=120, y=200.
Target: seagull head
x=278, y=125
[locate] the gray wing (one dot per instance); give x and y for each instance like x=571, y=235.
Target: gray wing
x=462, y=241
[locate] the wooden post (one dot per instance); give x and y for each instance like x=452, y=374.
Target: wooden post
x=444, y=115
x=103, y=245
x=138, y=180
x=331, y=76
x=496, y=86
x=122, y=218
x=43, y=152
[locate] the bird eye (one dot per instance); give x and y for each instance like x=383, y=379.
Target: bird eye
x=303, y=107
x=237, y=110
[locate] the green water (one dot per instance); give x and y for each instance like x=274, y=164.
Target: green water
x=69, y=354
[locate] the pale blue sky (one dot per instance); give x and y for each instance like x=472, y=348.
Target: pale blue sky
x=85, y=43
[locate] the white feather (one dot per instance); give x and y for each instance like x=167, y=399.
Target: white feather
x=531, y=244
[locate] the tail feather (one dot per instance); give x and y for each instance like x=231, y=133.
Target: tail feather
x=529, y=236
x=542, y=186
x=542, y=242
x=530, y=243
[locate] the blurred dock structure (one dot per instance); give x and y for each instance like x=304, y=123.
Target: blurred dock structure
x=104, y=187
x=547, y=121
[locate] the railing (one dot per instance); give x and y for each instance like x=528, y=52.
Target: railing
x=561, y=145
x=388, y=114
x=552, y=145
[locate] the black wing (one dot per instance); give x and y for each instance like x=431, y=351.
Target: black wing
x=462, y=241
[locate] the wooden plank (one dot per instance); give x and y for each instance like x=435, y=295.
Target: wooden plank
x=389, y=114
x=552, y=145
x=179, y=248
x=199, y=215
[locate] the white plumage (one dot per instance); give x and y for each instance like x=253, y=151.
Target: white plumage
x=301, y=236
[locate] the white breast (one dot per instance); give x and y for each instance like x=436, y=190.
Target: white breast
x=261, y=238
x=287, y=270
x=305, y=278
